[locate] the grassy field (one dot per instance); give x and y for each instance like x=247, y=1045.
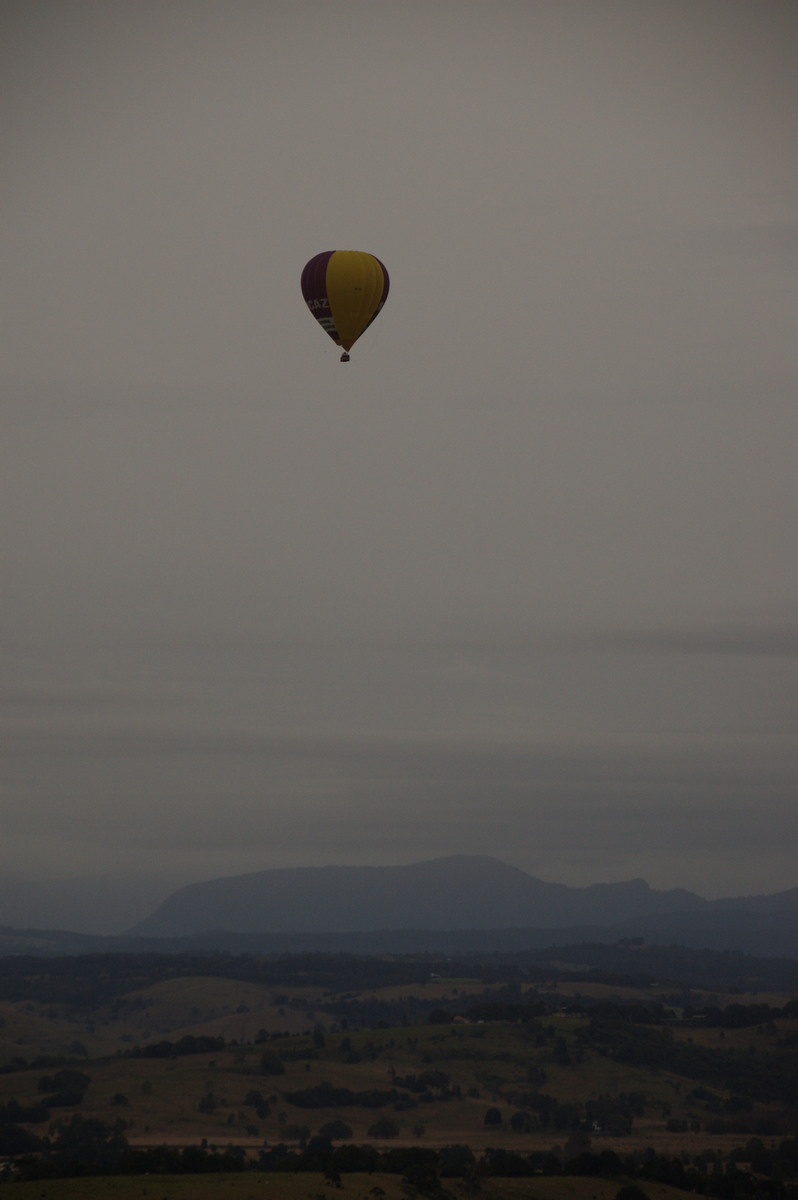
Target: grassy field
x=181, y=1100
x=281, y=1186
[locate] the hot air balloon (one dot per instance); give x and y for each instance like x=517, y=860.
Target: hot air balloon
x=344, y=290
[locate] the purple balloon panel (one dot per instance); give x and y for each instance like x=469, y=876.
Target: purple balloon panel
x=314, y=290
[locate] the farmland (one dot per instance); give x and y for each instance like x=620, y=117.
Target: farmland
x=270, y=1071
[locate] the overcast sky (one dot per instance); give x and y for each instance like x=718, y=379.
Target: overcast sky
x=519, y=580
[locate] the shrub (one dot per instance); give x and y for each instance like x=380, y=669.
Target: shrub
x=271, y=1064
x=631, y=1192
x=385, y=1127
x=336, y=1131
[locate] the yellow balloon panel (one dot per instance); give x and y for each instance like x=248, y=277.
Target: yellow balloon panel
x=355, y=283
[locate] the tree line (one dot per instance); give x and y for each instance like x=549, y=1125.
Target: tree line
x=87, y=1146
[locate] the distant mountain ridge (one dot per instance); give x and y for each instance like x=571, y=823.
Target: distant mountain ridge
x=457, y=905
x=473, y=892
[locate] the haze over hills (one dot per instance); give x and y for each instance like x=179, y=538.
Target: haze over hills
x=461, y=892
x=462, y=904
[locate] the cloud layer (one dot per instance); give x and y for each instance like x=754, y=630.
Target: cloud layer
x=521, y=579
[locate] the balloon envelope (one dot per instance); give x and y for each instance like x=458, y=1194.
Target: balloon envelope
x=344, y=290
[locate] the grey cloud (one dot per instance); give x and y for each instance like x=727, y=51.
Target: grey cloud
x=777, y=640
x=776, y=241
x=324, y=795
x=521, y=578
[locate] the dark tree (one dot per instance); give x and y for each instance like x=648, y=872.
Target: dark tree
x=385, y=1127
